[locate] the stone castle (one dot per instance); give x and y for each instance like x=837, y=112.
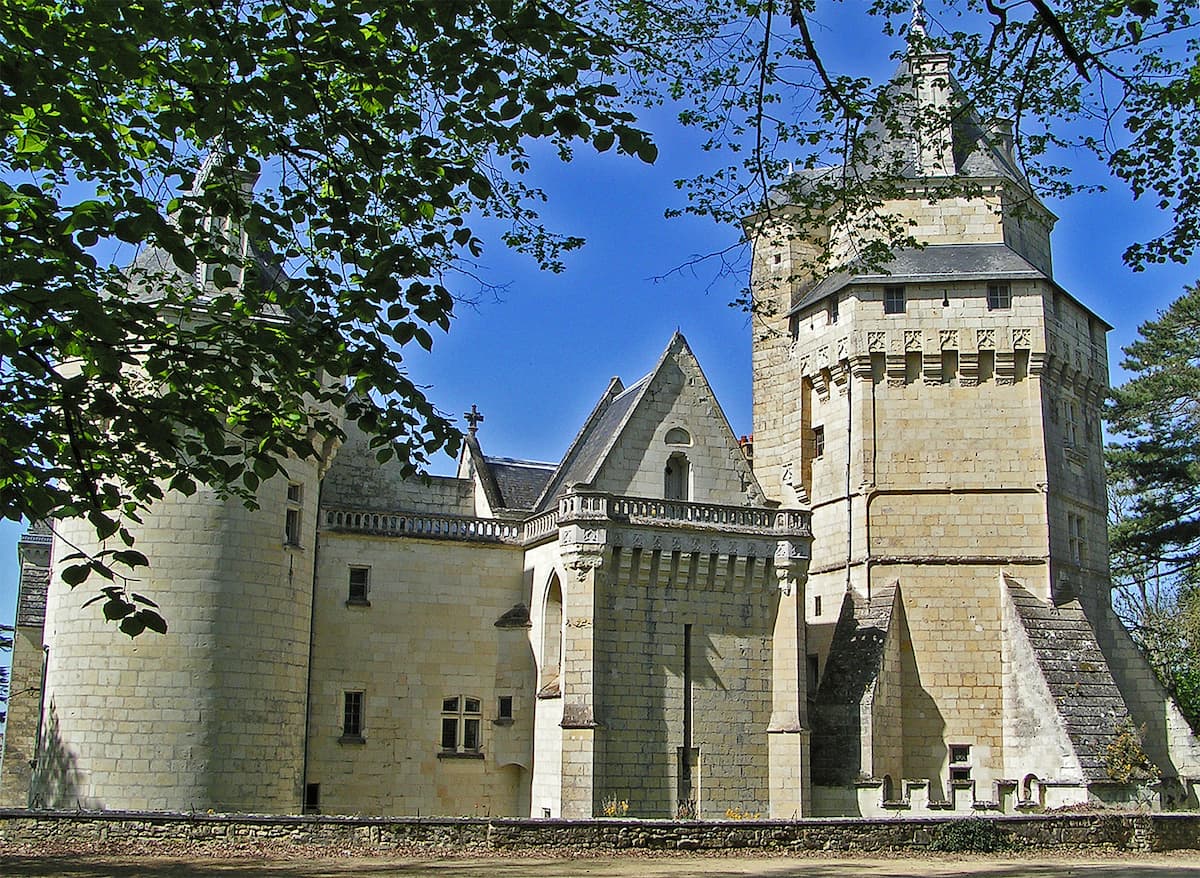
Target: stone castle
x=896, y=598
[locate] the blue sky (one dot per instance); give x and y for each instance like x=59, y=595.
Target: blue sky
x=535, y=360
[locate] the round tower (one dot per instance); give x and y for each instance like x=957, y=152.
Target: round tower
x=211, y=714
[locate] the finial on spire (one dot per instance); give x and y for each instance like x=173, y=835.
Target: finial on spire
x=916, y=30
x=473, y=418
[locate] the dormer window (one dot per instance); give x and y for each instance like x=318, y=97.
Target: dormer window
x=999, y=296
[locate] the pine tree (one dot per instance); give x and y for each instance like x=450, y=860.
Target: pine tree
x=1155, y=473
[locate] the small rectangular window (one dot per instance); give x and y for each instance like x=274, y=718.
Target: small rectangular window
x=833, y=309
x=1070, y=431
x=1076, y=537
x=818, y=434
x=816, y=605
x=291, y=517
x=960, y=763
x=360, y=583
x=449, y=733
x=352, y=715
x=893, y=300
x=999, y=296
x=504, y=707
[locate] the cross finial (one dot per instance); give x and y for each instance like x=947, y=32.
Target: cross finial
x=473, y=418
x=917, y=28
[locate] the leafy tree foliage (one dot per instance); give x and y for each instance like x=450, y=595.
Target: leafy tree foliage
x=377, y=132
x=1155, y=472
x=222, y=222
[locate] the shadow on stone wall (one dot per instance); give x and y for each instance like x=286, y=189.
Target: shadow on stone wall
x=57, y=781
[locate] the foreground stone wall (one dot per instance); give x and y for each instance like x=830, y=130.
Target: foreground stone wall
x=118, y=830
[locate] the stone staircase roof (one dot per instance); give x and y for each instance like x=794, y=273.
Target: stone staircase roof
x=851, y=669
x=1089, y=703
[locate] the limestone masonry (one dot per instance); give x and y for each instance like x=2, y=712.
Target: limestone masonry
x=895, y=598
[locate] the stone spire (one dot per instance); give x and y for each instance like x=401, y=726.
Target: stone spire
x=916, y=30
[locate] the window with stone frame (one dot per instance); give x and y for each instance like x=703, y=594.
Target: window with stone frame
x=818, y=437
x=999, y=296
x=504, y=709
x=1070, y=424
x=292, y=512
x=833, y=309
x=462, y=718
x=1076, y=537
x=352, y=715
x=893, y=299
x=677, y=477
x=359, y=586
x=960, y=763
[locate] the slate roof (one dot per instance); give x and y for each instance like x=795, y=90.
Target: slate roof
x=33, y=552
x=975, y=154
x=932, y=264
x=1089, y=703
x=855, y=656
x=520, y=482
x=601, y=429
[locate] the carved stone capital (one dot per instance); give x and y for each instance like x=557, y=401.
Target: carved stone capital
x=791, y=563
x=584, y=561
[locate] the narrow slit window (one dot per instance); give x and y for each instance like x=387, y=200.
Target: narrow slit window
x=292, y=514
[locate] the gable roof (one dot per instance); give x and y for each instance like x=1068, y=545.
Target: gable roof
x=605, y=425
x=599, y=432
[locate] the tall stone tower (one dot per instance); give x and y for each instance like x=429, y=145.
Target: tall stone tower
x=210, y=715
x=940, y=416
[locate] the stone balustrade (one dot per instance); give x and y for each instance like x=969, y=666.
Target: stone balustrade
x=425, y=526
x=574, y=506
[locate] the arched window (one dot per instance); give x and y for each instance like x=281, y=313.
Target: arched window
x=678, y=436
x=677, y=477
x=552, y=626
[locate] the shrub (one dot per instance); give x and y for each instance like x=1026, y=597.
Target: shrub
x=973, y=835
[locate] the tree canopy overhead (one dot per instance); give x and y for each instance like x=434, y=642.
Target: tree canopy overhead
x=162, y=328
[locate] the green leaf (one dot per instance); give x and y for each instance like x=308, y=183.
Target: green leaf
x=75, y=574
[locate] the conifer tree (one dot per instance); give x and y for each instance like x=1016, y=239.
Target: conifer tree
x=1155, y=473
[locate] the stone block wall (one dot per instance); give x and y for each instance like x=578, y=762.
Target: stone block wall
x=428, y=634
x=20, y=733
x=127, y=832
x=679, y=399
x=211, y=714
x=648, y=598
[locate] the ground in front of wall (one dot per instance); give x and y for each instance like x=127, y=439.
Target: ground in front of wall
x=328, y=863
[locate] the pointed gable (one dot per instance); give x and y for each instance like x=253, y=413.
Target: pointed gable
x=635, y=432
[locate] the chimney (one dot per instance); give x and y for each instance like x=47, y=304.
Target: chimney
x=746, y=443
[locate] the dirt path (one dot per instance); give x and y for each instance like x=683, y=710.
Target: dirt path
x=94, y=866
